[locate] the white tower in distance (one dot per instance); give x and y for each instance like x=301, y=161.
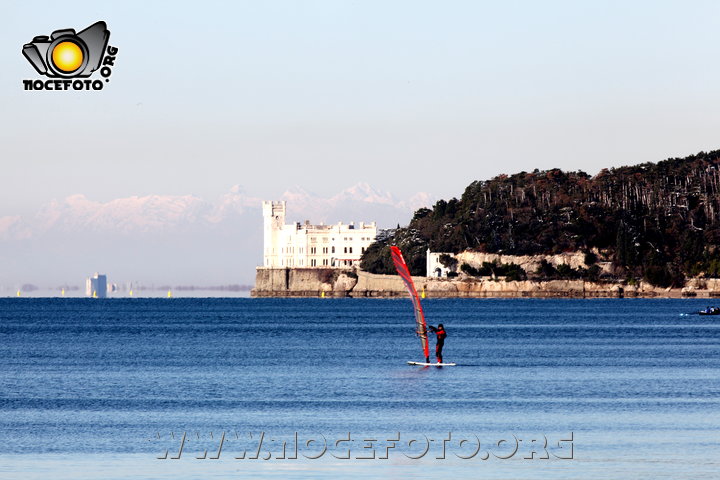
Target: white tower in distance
x=274, y=220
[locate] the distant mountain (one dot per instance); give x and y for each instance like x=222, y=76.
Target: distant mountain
x=362, y=192
x=123, y=215
x=170, y=238
x=359, y=203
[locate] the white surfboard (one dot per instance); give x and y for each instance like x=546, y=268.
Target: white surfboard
x=432, y=364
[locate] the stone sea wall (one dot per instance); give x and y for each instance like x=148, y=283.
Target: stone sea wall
x=303, y=282
x=315, y=282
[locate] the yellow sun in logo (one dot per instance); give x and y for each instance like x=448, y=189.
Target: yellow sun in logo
x=67, y=56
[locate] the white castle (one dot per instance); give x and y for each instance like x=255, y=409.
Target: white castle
x=305, y=245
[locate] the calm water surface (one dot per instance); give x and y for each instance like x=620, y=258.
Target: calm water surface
x=101, y=388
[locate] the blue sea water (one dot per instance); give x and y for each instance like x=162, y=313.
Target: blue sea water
x=180, y=388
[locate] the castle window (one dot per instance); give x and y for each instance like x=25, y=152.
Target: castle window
x=333, y=250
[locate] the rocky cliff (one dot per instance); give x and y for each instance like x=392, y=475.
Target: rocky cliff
x=530, y=263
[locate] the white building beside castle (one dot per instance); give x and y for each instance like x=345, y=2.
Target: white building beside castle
x=305, y=245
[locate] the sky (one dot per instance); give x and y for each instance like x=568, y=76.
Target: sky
x=407, y=96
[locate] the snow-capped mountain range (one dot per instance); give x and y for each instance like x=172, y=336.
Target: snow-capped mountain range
x=183, y=236
x=157, y=213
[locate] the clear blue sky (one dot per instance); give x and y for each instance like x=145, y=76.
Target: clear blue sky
x=324, y=94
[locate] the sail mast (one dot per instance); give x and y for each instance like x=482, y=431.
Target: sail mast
x=404, y=273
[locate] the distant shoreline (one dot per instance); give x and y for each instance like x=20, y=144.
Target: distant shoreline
x=46, y=293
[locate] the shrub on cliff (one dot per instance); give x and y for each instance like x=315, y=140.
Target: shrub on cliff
x=510, y=271
x=448, y=261
x=470, y=270
x=590, y=258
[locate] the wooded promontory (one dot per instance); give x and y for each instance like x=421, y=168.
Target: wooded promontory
x=658, y=222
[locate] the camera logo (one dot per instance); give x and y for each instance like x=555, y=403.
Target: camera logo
x=67, y=55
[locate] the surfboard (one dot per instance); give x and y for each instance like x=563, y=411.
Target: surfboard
x=432, y=364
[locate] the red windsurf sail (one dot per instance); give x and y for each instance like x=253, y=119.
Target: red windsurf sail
x=404, y=273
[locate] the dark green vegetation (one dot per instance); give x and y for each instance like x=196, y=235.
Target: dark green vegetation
x=658, y=221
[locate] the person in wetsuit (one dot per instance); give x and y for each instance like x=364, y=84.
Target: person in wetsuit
x=441, y=334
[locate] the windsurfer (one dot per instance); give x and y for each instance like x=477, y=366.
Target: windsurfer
x=441, y=334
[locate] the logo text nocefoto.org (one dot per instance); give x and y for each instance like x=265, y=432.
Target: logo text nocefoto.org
x=68, y=57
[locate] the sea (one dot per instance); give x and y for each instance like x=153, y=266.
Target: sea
x=180, y=388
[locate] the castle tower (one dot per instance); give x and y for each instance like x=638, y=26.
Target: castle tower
x=273, y=220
